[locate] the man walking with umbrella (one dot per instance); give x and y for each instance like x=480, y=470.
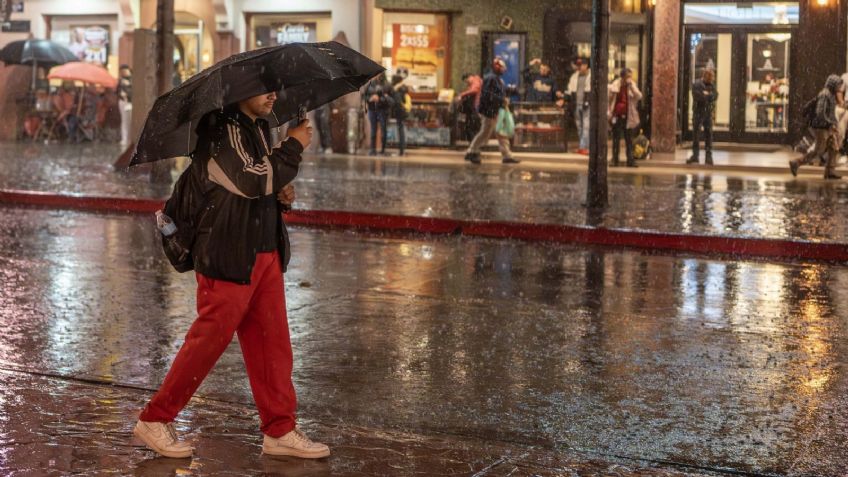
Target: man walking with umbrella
x=240, y=253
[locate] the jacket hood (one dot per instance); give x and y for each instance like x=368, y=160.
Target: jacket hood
x=833, y=83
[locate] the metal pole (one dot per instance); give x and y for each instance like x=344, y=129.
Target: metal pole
x=160, y=172
x=596, y=190
x=164, y=45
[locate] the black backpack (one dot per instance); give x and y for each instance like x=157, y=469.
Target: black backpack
x=186, y=207
x=808, y=112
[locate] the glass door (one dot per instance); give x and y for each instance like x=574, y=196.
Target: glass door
x=751, y=68
x=712, y=51
x=767, y=87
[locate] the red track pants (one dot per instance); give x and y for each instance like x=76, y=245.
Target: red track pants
x=257, y=312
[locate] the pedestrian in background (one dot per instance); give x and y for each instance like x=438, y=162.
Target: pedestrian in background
x=125, y=102
x=325, y=135
x=542, y=85
x=624, y=97
x=491, y=100
x=240, y=253
x=579, y=87
x=824, y=126
x=377, y=103
x=704, y=95
x=468, y=102
x=402, y=103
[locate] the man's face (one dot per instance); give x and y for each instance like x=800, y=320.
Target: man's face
x=584, y=68
x=125, y=73
x=708, y=76
x=544, y=69
x=261, y=106
x=500, y=67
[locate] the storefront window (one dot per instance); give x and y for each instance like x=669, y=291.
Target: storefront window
x=761, y=13
x=624, y=50
x=768, y=82
x=90, y=38
x=626, y=6
x=415, y=45
x=271, y=29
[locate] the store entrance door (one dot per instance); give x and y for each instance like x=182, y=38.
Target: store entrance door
x=752, y=79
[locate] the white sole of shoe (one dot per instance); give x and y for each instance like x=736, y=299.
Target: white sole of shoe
x=289, y=452
x=150, y=445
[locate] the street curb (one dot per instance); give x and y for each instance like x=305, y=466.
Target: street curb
x=630, y=238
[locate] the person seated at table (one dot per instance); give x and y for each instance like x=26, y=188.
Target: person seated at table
x=88, y=114
x=34, y=120
x=65, y=103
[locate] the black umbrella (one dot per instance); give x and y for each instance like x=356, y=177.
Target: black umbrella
x=306, y=75
x=36, y=52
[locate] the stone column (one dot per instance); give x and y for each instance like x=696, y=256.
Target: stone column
x=665, y=72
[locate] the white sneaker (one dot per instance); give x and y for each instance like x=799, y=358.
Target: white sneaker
x=296, y=444
x=163, y=439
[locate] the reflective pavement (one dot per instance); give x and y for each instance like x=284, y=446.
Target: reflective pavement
x=614, y=356
x=690, y=202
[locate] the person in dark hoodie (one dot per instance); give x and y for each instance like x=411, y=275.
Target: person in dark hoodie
x=824, y=128
x=704, y=96
x=240, y=253
x=378, y=104
x=401, y=105
x=491, y=100
x=541, y=86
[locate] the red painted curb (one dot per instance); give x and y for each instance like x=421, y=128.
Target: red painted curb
x=700, y=244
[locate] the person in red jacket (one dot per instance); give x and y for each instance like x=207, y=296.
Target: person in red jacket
x=467, y=104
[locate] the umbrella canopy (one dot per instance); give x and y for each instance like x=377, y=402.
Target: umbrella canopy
x=305, y=75
x=85, y=72
x=42, y=52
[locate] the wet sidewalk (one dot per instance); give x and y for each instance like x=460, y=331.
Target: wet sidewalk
x=491, y=348
x=688, y=202
x=64, y=426
x=727, y=158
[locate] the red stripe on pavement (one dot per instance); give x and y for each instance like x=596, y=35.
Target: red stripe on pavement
x=649, y=240
x=79, y=202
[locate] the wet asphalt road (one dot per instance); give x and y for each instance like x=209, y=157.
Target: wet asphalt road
x=611, y=354
x=769, y=207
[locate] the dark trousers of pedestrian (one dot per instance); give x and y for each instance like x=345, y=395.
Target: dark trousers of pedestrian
x=472, y=126
x=322, y=121
x=257, y=313
x=702, y=121
x=619, y=132
x=401, y=128
x=378, y=117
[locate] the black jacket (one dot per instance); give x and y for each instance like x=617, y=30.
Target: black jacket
x=381, y=89
x=399, y=99
x=492, y=95
x=540, y=89
x=240, y=167
x=825, y=117
x=703, y=97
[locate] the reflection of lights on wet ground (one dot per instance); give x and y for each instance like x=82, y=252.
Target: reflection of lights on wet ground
x=814, y=340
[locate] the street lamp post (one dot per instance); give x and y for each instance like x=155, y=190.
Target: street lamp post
x=596, y=190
